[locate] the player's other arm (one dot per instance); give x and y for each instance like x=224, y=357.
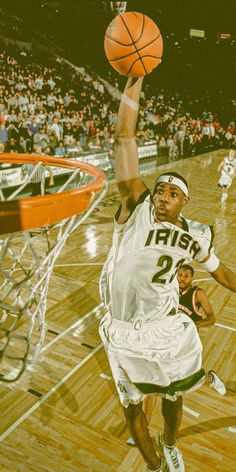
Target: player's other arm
x=209, y=318
x=220, y=167
x=225, y=277
x=219, y=272
x=129, y=181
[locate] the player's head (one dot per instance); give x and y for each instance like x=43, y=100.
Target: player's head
x=185, y=276
x=169, y=196
x=231, y=153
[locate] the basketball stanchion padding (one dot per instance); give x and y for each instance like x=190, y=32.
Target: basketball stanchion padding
x=33, y=231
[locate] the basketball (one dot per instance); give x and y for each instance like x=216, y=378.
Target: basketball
x=133, y=44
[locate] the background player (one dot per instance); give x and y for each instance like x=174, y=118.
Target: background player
x=228, y=170
x=193, y=299
x=194, y=302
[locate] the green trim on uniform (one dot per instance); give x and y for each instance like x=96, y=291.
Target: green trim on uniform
x=185, y=224
x=134, y=205
x=212, y=237
x=178, y=386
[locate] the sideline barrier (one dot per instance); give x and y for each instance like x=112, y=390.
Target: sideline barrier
x=10, y=177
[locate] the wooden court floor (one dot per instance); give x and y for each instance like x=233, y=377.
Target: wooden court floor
x=63, y=415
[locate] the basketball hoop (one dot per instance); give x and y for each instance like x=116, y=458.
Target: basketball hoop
x=118, y=7
x=27, y=257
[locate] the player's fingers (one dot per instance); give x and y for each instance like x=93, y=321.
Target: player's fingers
x=134, y=83
x=129, y=83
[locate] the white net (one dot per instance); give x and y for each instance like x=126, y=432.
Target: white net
x=118, y=7
x=26, y=263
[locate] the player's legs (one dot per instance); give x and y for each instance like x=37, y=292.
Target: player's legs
x=224, y=183
x=172, y=414
x=224, y=194
x=149, y=404
x=134, y=377
x=137, y=424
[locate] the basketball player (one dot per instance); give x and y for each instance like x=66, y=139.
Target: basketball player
x=228, y=170
x=151, y=346
x=192, y=300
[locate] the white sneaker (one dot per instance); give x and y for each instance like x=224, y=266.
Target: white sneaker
x=217, y=383
x=131, y=442
x=164, y=467
x=173, y=455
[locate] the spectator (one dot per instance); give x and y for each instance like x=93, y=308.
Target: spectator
x=12, y=146
x=60, y=150
x=3, y=133
x=53, y=142
x=33, y=126
x=22, y=147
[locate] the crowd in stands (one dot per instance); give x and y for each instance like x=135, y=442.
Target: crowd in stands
x=47, y=107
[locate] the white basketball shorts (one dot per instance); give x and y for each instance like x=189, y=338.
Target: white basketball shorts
x=225, y=181
x=162, y=357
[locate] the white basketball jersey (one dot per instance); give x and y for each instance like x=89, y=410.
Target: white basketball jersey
x=229, y=167
x=138, y=281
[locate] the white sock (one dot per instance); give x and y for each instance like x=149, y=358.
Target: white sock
x=156, y=470
x=164, y=444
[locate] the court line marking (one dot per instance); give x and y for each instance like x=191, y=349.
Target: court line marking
x=232, y=430
x=220, y=325
x=48, y=394
x=191, y=412
x=75, y=325
x=105, y=377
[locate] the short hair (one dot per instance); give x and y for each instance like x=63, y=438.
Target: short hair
x=173, y=174
x=187, y=267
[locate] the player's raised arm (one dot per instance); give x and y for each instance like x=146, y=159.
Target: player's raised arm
x=127, y=174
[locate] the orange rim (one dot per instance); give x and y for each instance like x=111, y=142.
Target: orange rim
x=33, y=212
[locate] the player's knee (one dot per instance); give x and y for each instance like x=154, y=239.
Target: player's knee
x=132, y=411
x=171, y=408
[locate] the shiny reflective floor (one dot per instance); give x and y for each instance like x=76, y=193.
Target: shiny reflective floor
x=63, y=414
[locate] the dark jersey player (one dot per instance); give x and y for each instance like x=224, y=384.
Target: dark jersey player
x=194, y=302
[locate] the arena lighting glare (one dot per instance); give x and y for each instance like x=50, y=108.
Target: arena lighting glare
x=225, y=36
x=196, y=33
